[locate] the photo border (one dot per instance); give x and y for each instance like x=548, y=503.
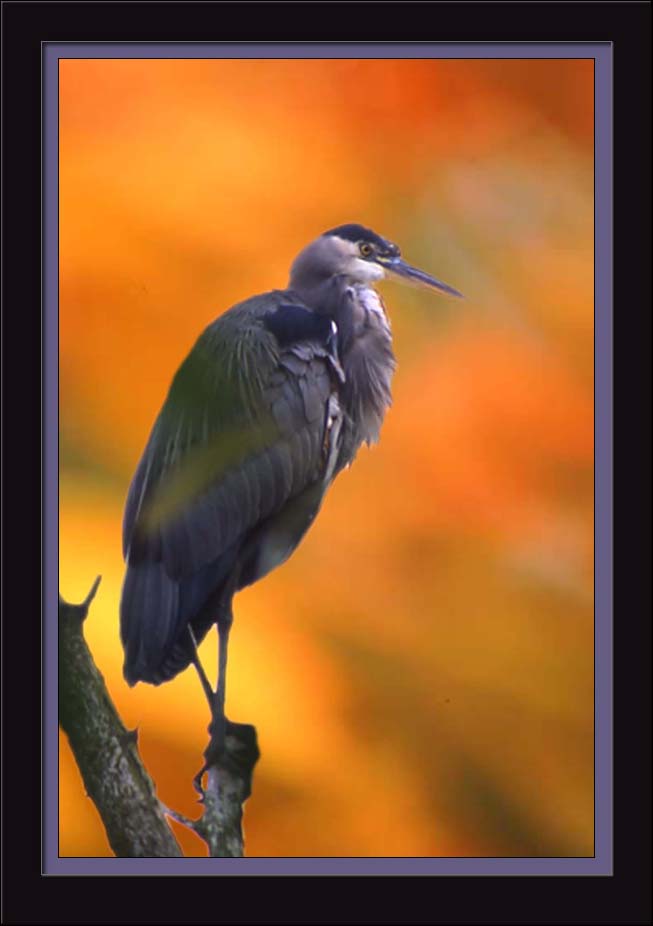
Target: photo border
x=601, y=863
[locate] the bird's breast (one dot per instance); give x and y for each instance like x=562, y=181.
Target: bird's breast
x=371, y=304
x=368, y=363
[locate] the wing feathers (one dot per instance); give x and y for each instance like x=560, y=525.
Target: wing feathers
x=241, y=433
x=192, y=516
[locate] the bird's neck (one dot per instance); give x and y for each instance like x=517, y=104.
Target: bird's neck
x=350, y=305
x=368, y=361
x=364, y=349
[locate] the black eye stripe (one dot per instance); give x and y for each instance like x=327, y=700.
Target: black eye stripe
x=358, y=234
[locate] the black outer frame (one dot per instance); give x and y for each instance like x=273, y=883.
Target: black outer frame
x=32, y=898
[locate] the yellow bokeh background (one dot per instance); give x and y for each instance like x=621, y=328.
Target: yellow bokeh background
x=420, y=672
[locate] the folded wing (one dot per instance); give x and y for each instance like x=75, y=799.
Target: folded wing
x=246, y=430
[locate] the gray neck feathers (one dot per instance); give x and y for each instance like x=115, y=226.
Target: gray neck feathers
x=364, y=343
x=369, y=364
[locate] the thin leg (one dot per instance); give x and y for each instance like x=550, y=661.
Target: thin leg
x=223, y=641
x=219, y=723
x=206, y=685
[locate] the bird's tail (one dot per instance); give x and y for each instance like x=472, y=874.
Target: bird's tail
x=156, y=611
x=149, y=621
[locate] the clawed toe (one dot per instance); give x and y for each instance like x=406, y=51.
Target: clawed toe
x=215, y=751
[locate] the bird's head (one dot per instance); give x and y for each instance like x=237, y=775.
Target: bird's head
x=361, y=256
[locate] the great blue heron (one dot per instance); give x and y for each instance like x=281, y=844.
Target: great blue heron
x=273, y=401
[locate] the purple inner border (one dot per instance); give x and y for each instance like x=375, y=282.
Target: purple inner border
x=601, y=863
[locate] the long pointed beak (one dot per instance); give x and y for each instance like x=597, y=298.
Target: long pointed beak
x=398, y=268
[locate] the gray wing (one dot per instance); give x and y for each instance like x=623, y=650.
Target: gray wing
x=247, y=426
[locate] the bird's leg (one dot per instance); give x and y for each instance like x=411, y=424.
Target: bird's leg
x=219, y=723
x=206, y=685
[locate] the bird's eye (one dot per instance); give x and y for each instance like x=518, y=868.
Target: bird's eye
x=366, y=249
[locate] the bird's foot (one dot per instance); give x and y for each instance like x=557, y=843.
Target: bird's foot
x=232, y=747
x=215, y=751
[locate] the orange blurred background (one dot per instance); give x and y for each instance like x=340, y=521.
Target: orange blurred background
x=421, y=671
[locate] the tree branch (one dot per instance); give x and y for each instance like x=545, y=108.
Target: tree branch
x=229, y=784
x=114, y=775
x=105, y=751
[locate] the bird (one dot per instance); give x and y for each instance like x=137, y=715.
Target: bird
x=274, y=400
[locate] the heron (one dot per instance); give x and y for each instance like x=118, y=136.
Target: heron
x=274, y=400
